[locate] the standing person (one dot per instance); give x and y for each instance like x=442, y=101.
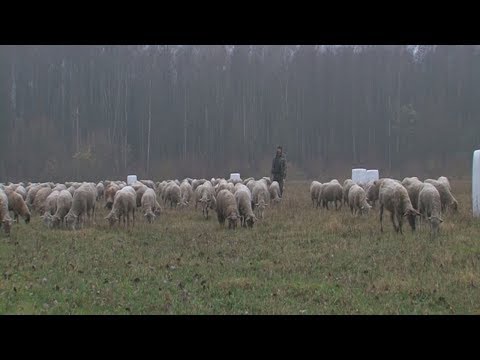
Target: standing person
x=279, y=168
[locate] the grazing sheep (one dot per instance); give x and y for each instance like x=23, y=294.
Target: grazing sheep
x=394, y=197
x=332, y=192
x=140, y=190
x=196, y=183
x=59, y=187
x=148, y=203
x=260, y=197
x=231, y=187
x=244, y=206
x=148, y=183
x=51, y=202
x=17, y=205
x=413, y=186
x=100, y=191
x=172, y=194
x=186, y=193
x=22, y=191
x=160, y=189
x=31, y=193
x=430, y=206
x=446, y=197
x=222, y=185
x=227, y=209
x=205, y=194
x=5, y=219
x=124, y=203
x=39, y=203
x=357, y=200
x=274, y=191
x=110, y=192
x=444, y=179
x=250, y=184
x=245, y=182
x=373, y=190
x=64, y=204
x=83, y=202
x=347, y=184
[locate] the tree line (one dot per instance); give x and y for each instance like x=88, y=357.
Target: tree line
x=94, y=112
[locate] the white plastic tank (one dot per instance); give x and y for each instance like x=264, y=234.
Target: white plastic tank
x=359, y=176
x=476, y=183
x=131, y=179
x=372, y=175
x=235, y=176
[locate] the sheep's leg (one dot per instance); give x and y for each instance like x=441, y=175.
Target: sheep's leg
x=381, y=218
x=133, y=215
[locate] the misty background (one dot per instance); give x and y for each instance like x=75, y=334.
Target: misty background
x=97, y=112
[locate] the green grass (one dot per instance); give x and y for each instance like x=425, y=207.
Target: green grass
x=298, y=260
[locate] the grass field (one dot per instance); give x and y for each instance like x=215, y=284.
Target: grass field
x=298, y=260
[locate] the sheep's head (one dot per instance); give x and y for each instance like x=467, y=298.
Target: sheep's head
x=365, y=209
x=27, y=217
x=7, y=225
x=232, y=220
x=150, y=216
x=250, y=220
x=112, y=218
x=411, y=214
x=157, y=211
x=56, y=221
x=47, y=219
x=70, y=220
x=454, y=205
x=435, y=222
x=260, y=206
x=109, y=205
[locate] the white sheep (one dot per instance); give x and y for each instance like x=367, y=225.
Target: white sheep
x=64, y=204
x=332, y=192
x=357, y=200
x=244, y=205
x=347, y=184
x=83, y=203
x=148, y=203
x=430, y=206
x=274, y=190
x=17, y=205
x=172, y=194
x=260, y=197
x=5, y=219
x=413, y=186
x=124, y=203
x=227, y=209
x=394, y=197
x=186, y=193
x=446, y=197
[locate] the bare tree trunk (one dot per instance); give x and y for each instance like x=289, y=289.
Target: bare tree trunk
x=149, y=126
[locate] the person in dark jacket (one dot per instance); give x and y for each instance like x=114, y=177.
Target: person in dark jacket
x=279, y=168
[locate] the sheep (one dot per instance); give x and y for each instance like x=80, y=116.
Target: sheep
x=51, y=202
x=17, y=205
x=39, y=203
x=205, y=194
x=444, y=179
x=227, y=209
x=83, y=202
x=245, y=182
x=148, y=183
x=222, y=185
x=140, y=190
x=430, y=206
x=250, y=184
x=110, y=192
x=315, y=190
x=394, y=197
x=260, y=197
x=172, y=194
x=160, y=189
x=347, y=184
x=331, y=191
x=357, y=200
x=5, y=219
x=446, y=197
x=31, y=193
x=148, y=203
x=64, y=204
x=413, y=186
x=373, y=190
x=124, y=203
x=22, y=191
x=231, y=187
x=59, y=187
x=186, y=193
x=244, y=206
x=100, y=191
x=274, y=191
x=196, y=183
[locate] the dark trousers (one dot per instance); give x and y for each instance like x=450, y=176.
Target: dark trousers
x=280, y=183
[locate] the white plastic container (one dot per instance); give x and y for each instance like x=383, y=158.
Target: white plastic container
x=372, y=175
x=476, y=183
x=235, y=176
x=359, y=176
x=131, y=179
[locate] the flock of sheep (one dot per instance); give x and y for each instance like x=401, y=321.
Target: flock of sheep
x=71, y=204
x=406, y=199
